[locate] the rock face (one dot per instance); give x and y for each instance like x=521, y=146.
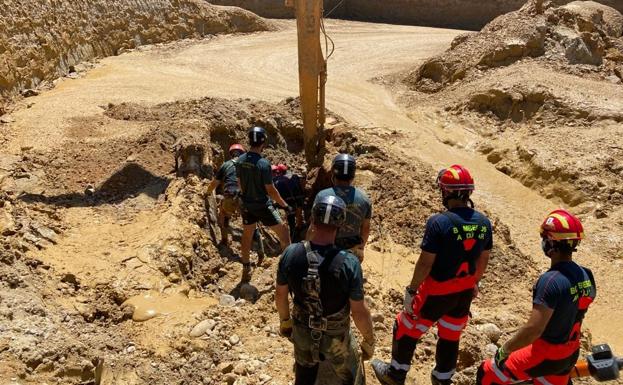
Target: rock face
x=44, y=40
x=464, y=14
x=580, y=32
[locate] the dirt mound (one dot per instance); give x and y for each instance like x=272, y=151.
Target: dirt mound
x=56, y=37
x=581, y=32
x=531, y=81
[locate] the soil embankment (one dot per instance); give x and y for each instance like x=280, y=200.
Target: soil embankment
x=462, y=14
x=41, y=41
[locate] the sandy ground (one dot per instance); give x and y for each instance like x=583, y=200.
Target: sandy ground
x=263, y=66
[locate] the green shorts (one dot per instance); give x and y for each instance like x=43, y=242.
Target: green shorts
x=340, y=351
x=267, y=215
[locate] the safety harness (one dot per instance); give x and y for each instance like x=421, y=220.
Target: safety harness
x=312, y=313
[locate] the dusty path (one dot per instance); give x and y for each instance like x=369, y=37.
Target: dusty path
x=264, y=66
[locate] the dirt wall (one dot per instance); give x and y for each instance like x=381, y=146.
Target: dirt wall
x=41, y=40
x=462, y=14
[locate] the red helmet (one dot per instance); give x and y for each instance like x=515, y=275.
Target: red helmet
x=455, y=178
x=279, y=169
x=236, y=147
x=561, y=225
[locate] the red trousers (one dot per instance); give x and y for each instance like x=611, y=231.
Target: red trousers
x=541, y=362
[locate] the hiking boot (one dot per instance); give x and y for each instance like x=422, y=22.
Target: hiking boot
x=381, y=370
x=247, y=271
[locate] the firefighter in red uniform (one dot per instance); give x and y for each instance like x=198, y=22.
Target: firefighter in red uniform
x=546, y=348
x=455, y=253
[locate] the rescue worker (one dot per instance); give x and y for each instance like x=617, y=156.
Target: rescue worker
x=226, y=177
x=546, y=348
x=327, y=288
x=454, y=257
x=257, y=194
x=353, y=235
x=289, y=187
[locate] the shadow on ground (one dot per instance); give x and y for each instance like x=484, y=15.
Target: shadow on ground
x=127, y=182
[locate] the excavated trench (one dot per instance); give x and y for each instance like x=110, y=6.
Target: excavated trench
x=148, y=291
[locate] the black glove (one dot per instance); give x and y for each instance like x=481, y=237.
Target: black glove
x=500, y=357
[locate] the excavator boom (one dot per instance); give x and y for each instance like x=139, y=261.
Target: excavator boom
x=312, y=76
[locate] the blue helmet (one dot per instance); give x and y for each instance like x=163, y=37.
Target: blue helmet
x=257, y=136
x=343, y=167
x=329, y=210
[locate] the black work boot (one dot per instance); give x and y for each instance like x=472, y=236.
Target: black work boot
x=381, y=370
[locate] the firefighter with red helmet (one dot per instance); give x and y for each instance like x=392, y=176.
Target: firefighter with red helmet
x=290, y=188
x=227, y=179
x=546, y=348
x=454, y=257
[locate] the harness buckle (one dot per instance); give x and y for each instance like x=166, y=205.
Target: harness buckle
x=317, y=324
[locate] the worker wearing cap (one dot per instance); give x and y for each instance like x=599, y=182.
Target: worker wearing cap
x=327, y=288
x=289, y=187
x=547, y=347
x=353, y=235
x=227, y=179
x=454, y=257
x=258, y=194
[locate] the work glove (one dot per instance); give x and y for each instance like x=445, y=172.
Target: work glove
x=408, y=300
x=285, y=328
x=500, y=357
x=367, y=350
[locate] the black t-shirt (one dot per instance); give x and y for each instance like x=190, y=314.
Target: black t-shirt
x=457, y=236
x=254, y=174
x=289, y=187
x=227, y=175
x=335, y=292
x=560, y=289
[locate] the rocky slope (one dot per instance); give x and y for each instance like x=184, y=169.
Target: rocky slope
x=541, y=90
x=43, y=40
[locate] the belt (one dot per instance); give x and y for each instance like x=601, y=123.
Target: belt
x=335, y=322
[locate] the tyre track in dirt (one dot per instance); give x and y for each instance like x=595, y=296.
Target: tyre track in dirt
x=263, y=66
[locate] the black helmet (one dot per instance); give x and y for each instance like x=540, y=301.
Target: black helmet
x=329, y=210
x=257, y=136
x=344, y=167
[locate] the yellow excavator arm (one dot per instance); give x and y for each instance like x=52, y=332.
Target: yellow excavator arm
x=312, y=76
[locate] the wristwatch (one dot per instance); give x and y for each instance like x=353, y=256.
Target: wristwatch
x=410, y=290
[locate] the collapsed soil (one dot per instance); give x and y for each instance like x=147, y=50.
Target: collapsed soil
x=161, y=221
x=144, y=232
